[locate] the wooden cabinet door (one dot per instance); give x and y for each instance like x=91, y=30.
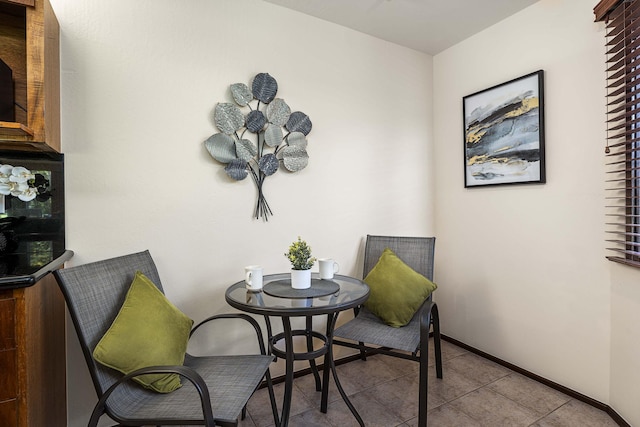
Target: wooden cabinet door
x=8, y=367
x=30, y=46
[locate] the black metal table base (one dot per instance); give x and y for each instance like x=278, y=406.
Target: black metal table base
x=346, y=293
x=289, y=356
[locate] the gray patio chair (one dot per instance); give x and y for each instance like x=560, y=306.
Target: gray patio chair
x=215, y=389
x=411, y=342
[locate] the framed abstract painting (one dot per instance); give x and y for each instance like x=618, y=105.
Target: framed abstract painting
x=504, y=133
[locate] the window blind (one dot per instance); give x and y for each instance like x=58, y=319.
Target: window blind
x=622, y=182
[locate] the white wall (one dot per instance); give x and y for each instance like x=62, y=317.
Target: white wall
x=625, y=342
x=523, y=268
x=139, y=84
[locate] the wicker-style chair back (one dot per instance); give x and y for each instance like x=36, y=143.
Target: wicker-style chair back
x=416, y=252
x=94, y=294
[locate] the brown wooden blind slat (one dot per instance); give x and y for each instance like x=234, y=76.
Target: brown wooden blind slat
x=624, y=261
x=624, y=142
x=624, y=42
x=621, y=242
x=622, y=152
x=629, y=254
x=630, y=225
x=622, y=192
x=604, y=8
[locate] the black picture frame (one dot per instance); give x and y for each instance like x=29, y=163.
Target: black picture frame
x=504, y=133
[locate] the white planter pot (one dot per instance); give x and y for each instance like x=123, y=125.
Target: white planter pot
x=300, y=279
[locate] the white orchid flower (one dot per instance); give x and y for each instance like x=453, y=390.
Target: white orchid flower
x=27, y=195
x=14, y=181
x=21, y=174
x=5, y=172
x=5, y=189
x=18, y=188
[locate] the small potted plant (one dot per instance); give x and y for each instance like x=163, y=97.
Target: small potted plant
x=301, y=262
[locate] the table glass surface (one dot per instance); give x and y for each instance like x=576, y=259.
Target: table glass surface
x=352, y=292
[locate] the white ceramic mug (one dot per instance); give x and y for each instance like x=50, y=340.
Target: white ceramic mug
x=328, y=268
x=253, y=277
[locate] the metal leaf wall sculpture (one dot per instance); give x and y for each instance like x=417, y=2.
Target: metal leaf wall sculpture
x=271, y=145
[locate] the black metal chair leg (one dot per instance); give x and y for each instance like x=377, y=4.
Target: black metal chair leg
x=428, y=318
x=324, y=400
x=435, y=320
x=424, y=384
x=363, y=351
x=331, y=322
x=272, y=398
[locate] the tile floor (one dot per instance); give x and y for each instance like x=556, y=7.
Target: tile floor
x=474, y=392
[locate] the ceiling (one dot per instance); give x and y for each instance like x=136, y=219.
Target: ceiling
x=429, y=26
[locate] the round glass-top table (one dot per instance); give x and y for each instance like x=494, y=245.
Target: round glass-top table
x=278, y=299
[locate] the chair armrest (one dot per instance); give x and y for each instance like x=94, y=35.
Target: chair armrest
x=428, y=314
x=241, y=316
x=184, y=371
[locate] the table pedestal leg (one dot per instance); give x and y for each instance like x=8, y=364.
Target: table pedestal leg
x=328, y=362
x=288, y=379
x=272, y=397
x=312, y=362
x=289, y=355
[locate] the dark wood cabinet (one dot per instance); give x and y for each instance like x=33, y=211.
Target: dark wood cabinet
x=32, y=315
x=33, y=356
x=30, y=46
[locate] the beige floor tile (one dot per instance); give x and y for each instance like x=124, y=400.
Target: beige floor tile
x=365, y=374
x=311, y=418
x=373, y=413
x=248, y=422
x=476, y=368
x=306, y=384
x=474, y=392
x=576, y=414
x=529, y=393
x=399, y=396
x=446, y=416
x=492, y=409
x=259, y=406
x=404, y=366
x=452, y=386
x=449, y=351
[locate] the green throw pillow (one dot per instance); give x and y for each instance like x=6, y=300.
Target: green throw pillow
x=148, y=331
x=397, y=290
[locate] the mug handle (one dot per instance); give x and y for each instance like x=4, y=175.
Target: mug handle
x=336, y=267
x=249, y=276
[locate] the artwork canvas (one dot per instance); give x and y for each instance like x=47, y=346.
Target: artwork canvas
x=504, y=133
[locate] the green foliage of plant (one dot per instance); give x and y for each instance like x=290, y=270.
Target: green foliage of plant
x=300, y=255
